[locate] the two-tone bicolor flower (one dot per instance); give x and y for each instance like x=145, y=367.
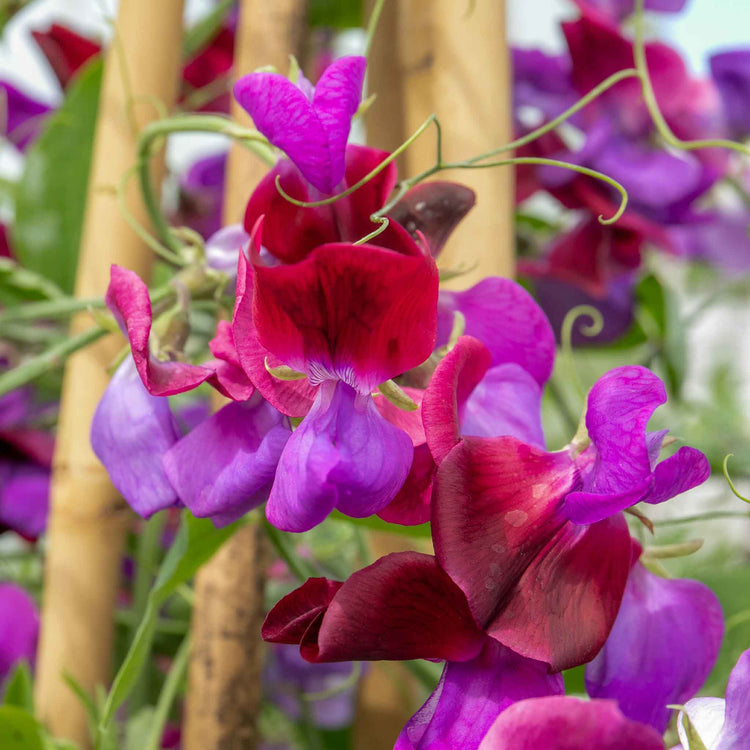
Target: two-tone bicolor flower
x=310, y=124
x=23, y=116
x=662, y=647
x=348, y=318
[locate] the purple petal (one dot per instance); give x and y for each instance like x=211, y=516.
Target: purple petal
x=507, y=401
x=24, y=498
x=679, y=473
x=504, y=317
x=335, y=102
x=130, y=432
x=542, y=81
x=736, y=728
x=22, y=116
x=343, y=455
x=731, y=73
x=19, y=627
x=223, y=247
x=662, y=647
x=721, y=240
x=225, y=466
x=564, y=723
x=472, y=694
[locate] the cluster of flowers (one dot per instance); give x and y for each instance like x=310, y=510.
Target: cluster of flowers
x=534, y=570
x=672, y=196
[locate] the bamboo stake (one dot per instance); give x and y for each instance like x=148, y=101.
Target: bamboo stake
x=88, y=520
x=455, y=63
x=224, y=680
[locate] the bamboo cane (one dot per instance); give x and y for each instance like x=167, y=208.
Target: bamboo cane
x=88, y=519
x=224, y=681
x=453, y=60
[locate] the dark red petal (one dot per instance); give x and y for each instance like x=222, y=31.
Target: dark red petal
x=454, y=379
x=362, y=314
x=289, y=620
x=412, y=504
x=495, y=507
x=401, y=607
x=293, y=398
x=65, y=50
x=563, y=607
x=434, y=209
x=229, y=378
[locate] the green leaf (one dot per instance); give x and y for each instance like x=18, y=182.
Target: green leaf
x=339, y=14
x=421, y=531
x=197, y=540
x=19, y=690
x=51, y=194
x=19, y=284
x=694, y=739
x=19, y=730
x=138, y=729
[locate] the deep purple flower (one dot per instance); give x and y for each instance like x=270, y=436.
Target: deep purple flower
x=25, y=461
x=202, y=195
x=723, y=724
x=543, y=82
x=563, y=723
x=663, y=644
x=731, y=74
x=310, y=124
x=19, y=628
x=22, y=116
x=288, y=678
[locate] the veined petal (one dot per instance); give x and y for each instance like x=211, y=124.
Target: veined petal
x=362, y=314
x=229, y=378
x=343, y=455
x=130, y=432
x=335, y=102
x=662, y=647
x=679, y=473
x=401, y=607
x=127, y=298
x=505, y=317
x=564, y=723
x=224, y=467
x=472, y=694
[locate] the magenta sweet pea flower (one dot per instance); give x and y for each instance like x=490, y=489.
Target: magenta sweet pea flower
x=19, y=628
x=22, y=116
x=723, y=724
x=310, y=124
x=563, y=723
x=662, y=647
x=348, y=318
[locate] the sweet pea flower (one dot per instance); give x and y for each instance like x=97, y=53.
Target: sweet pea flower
x=19, y=628
x=348, y=318
x=730, y=71
x=722, y=724
x=662, y=647
x=310, y=124
x=25, y=461
x=619, y=10
x=66, y=51
x=202, y=195
x=22, y=116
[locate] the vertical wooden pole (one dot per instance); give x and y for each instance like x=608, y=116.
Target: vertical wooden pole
x=87, y=518
x=224, y=681
x=452, y=59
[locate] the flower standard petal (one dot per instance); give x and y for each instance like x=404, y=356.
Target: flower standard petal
x=663, y=644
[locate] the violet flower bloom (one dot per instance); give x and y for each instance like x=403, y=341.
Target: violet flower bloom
x=287, y=678
x=202, y=195
x=619, y=10
x=723, y=724
x=731, y=74
x=662, y=647
x=22, y=116
x=564, y=723
x=719, y=239
x=349, y=318
x=19, y=628
x=25, y=461
x=310, y=124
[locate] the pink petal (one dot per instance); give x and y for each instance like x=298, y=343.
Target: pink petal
x=127, y=298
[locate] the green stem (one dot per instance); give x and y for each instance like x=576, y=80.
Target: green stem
x=52, y=358
x=187, y=124
x=649, y=97
x=372, y=25
x=714, y=515
x=298, y=567
x=56, y=308
x=571, y=422
x=149, y=543
x=725, y=470
x=168, y=694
